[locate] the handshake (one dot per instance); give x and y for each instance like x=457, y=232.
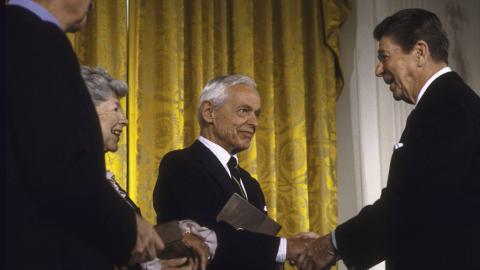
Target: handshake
x=310, y=251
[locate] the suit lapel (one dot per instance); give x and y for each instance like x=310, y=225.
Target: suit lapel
x=409, y=126
x=213, y=166
x=429, y=109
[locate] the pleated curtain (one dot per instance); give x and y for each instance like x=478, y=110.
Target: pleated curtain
x=168, y=49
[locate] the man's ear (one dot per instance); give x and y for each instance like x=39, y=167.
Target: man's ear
x=422, y=52
x=207, y=112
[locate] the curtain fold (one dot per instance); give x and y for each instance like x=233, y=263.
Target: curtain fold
x=157, y=112
x=290, y=48
x=172, y=48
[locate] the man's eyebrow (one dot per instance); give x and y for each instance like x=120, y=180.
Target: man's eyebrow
x=245, y=106
x=381, y=51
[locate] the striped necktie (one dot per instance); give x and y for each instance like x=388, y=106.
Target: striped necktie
x=235, y=173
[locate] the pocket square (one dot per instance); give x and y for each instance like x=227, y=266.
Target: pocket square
x=397, y=145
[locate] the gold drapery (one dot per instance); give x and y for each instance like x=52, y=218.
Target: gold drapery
x=289, y=47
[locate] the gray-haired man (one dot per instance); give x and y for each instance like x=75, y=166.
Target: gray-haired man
x=196, y=182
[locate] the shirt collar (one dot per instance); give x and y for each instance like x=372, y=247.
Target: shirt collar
x=222, y=155
x=37, y=9
x=434, y=77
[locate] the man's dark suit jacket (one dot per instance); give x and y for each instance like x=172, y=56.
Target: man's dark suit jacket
x=428, y=216
x=193, y=184
x=61, y=212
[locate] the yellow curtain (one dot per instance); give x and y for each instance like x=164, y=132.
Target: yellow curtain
x=172, y=48
x=103, y=42
x=289, y=47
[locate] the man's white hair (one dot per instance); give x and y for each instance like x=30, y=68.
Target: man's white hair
x=215, y=90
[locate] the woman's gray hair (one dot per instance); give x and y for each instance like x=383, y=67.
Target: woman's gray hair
x=102, y=85
x=215, y=90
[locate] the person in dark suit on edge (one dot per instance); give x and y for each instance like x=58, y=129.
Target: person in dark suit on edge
x=428, y=215
x=61, y=213
x=207, y=173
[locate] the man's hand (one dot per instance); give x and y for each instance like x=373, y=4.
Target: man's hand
x=295, y=247
x=179, y=264
x=306, y=235
x=199, y=248
x=319, y=254
x=148, y=243
x=198, y=262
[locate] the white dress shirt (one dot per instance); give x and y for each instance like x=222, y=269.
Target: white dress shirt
x=223, y=156
x=433, y=78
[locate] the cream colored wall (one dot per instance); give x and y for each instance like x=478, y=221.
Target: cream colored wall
x=369, y=121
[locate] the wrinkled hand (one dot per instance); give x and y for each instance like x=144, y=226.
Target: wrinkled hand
x=148, y=243
x=198, y=262
x=319, y=254
x=199, y=248
x=306, y=235
x=178, y=264
x=295, y=247
x=297, y=244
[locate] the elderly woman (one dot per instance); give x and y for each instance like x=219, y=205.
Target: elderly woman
x=106, y=92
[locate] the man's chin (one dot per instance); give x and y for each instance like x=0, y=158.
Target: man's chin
x=241, y=147
x=402, y=98
x=397, y=97
x=77, y=26
x=73, y=29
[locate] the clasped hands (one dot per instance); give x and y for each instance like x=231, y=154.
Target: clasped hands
x=310, y=251
x=149, y=245
x=198, y=261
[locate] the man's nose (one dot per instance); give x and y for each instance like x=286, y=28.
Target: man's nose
x=379, y=69
x=253, y=120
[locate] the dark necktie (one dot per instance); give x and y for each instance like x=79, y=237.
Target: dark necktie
x=235, y=173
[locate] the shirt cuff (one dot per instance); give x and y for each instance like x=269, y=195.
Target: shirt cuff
x=282, y=251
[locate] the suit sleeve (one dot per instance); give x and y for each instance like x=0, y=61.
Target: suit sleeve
x=430, y=178
x=183, y=192
x=56, y=144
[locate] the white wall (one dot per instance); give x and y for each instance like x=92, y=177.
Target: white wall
x=369, y=121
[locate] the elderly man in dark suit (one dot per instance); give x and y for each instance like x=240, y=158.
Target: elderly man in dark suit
x=428, y=215
x=61, y=213
x=196, y=182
